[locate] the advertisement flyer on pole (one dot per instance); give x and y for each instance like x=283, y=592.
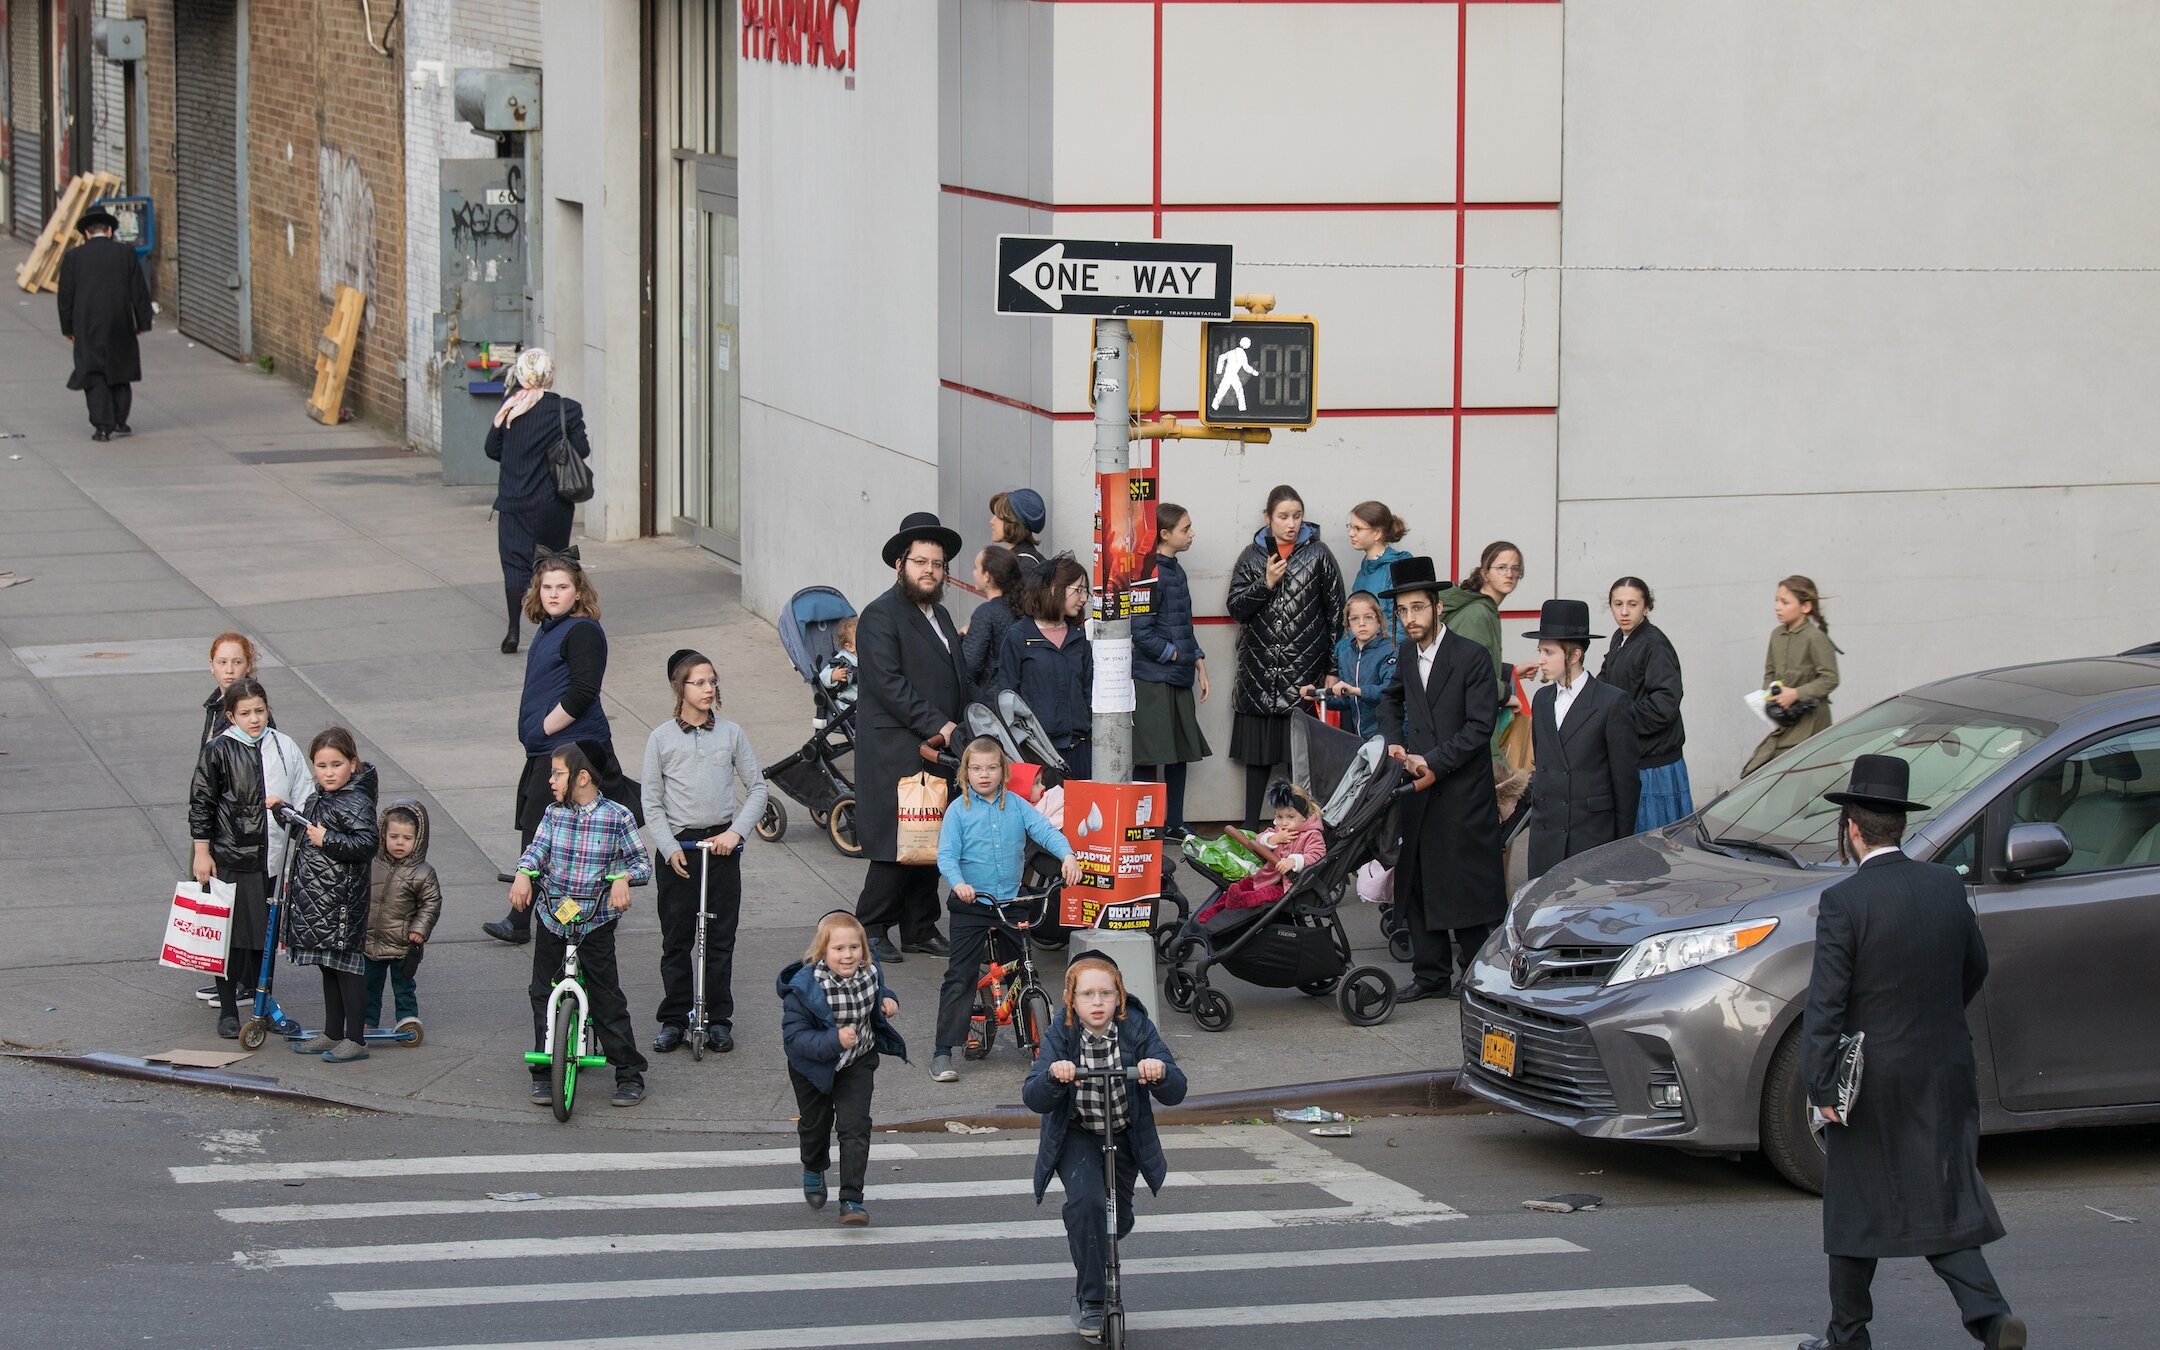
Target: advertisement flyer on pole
x=1116, y=832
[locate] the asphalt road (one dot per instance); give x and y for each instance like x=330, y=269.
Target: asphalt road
x=138, y=1214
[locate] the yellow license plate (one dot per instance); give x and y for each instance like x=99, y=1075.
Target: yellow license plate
x=1499, y=1052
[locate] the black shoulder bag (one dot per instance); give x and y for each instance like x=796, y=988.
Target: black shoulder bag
x=573, y=477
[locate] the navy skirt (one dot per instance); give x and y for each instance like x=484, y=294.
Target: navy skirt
x=1665, y=796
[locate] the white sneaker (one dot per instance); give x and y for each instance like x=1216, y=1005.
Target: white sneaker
x=942, y=1071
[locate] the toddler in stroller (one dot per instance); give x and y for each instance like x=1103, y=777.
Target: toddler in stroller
x=810, y=634
x=1297, y=842
x=1297, y=939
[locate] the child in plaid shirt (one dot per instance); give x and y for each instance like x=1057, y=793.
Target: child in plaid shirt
x=586, y=846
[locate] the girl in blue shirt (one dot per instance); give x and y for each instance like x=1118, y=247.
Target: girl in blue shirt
x=1364, y=666
x=982, y=854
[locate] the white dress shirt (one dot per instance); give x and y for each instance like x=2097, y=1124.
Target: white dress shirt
x=1564, y=696
x=1425, y=655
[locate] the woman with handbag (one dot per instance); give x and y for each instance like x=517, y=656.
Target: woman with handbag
x=539, y=439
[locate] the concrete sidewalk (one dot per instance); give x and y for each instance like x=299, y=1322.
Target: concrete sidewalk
x=375, y=590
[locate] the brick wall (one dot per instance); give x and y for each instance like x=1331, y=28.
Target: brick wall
x=326, y=168
x=474, y=33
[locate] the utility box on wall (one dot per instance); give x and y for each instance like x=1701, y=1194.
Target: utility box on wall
x=498, y=100
x=482, y=323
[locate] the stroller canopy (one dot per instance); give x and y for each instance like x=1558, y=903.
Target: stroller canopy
x=806, y=628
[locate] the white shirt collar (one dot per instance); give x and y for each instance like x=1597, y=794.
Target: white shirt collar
x=1876, y=852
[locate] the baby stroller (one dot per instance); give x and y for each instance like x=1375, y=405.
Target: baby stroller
x=1014, y=726
x=811, y=776
x=1298, y=941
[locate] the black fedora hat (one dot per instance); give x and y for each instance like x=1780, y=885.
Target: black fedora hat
x=1878, y=783
x=1412, y=574
x=921, y=525
x=1563, y=621
x=97, y=218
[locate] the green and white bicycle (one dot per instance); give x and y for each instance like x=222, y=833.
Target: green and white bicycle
x=571, y=1043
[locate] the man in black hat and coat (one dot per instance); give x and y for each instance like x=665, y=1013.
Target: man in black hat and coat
x=1438, y=714
x=104, y=304
x=1898, y=955
x=914, y=689
x=1585, y=788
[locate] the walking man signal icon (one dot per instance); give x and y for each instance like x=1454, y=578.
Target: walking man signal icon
x=1233, y=367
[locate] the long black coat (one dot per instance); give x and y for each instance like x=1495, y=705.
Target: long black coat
x=1585, y=789
x=104, y=303
x=1287, y=638
x=328, y=907
x=1647, y=669
x=1450, y=867
x=1898, y=955
x=911, y=687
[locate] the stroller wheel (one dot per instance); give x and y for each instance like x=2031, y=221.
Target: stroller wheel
x=1367, y=996
x=842, y=828
x=1166, y=941
x=821, y=819
x=1179, y=988
x=1398, y=946
x=773, y=823
x=1320, y=988
x=1212, y=1010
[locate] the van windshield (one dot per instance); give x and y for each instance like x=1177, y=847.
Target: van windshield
x=1950, y=749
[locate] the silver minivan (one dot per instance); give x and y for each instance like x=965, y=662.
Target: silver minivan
x=1652, y=989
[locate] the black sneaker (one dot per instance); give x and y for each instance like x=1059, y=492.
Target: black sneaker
x=503, y=931
x=629, y=1092
x=228, y=1028
x=543, y=1092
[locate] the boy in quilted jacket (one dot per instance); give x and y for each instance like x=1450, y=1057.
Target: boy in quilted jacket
x=405, y=900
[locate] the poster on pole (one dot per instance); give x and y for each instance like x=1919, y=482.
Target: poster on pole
x=1124, y=542
x=1115, y=830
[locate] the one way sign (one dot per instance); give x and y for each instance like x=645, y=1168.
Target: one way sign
x=1136, y=279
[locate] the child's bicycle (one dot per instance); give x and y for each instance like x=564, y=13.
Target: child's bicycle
x=571, y=1041
x=1113, y=1319
x=1011, y=995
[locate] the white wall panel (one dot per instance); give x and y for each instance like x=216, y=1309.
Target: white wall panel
x=995, y=119
x=1511, y=319
x=1511, y=117
x=1308, y=103
x=980, y=348
x=1507, y=486
x=1103, y=96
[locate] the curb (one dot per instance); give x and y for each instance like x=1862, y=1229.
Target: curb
x=127, y=1066
x=1432, y=1092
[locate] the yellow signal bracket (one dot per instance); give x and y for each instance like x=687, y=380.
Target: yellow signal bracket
x=1143, y=373
x=1258, y=302
x=1170, y=429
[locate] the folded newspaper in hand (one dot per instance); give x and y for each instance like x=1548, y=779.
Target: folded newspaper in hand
x=1845, y=1089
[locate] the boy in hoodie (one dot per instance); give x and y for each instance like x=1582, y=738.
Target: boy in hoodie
x=404, y=902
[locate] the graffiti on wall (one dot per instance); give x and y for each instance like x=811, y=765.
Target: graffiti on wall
x=345, y=236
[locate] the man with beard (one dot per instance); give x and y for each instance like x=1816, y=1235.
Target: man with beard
x=1437, y=713
x=914, y=688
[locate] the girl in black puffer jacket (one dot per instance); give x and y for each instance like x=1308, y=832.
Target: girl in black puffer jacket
x=326, y=914
x=1288, y=593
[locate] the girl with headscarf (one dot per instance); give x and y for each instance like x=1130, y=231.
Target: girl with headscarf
x=528, y=514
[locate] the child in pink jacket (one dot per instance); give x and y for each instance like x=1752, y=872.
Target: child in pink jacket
x=1297, y=841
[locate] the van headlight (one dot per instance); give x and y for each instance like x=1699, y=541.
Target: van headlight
x=1668, y=952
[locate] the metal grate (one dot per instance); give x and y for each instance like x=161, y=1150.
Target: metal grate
x=1556, y=1063
x=207, y=231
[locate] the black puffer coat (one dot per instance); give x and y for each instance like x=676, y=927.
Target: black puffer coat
x=225, y=804
x=328, y=908
x=1288, y=638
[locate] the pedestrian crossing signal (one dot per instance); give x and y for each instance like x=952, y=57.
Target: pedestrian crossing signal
x=1259, y=372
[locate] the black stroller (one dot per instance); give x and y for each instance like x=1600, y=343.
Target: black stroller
x=1298, y=941
x=811, y=776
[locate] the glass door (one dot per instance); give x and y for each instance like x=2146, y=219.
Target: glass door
x=710, y=411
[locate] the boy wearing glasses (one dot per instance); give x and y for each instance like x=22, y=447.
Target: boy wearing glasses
x=703, y=792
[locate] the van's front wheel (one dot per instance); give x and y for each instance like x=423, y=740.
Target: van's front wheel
x=1792, y=1148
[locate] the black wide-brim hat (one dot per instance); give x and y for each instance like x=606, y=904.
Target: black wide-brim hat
x=96, y=220
x=1878, y=783
x=922, y=525
x=1410, y=575
x=1563, y=621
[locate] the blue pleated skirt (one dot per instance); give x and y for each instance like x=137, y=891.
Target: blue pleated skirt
x=1665, y=796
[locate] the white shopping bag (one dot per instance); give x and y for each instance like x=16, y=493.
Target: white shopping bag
x=1758, y=701
x=198, y=929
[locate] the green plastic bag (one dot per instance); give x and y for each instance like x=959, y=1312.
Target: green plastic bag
x=1225, y=857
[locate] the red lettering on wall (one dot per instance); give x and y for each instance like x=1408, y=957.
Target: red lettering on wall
x=800, y=32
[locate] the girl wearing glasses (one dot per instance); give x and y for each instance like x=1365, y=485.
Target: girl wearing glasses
x=1045, y=657
x=703, y=791
x=1471, y=609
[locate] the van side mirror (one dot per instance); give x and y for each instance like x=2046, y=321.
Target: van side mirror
x=2030, y=849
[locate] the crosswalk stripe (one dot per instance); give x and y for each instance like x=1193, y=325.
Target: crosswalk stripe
x=1181, y=1319
x=579, y=1204
x=1781, y=1342
x=391, y=1300
x=626, y=1244
x=553, y=1164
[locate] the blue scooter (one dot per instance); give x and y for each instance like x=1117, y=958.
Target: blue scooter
x=290, y=1027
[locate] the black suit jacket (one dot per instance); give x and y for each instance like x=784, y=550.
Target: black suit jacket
x=1898, y=955
x=1586, y=787
x=912, y=685
x=1450, y=871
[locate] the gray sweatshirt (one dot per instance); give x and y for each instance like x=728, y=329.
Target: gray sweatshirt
x=691, y=778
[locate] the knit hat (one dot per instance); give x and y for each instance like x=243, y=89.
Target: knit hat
x=1027, y=504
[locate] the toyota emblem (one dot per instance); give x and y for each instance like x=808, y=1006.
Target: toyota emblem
x=1519, y=970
